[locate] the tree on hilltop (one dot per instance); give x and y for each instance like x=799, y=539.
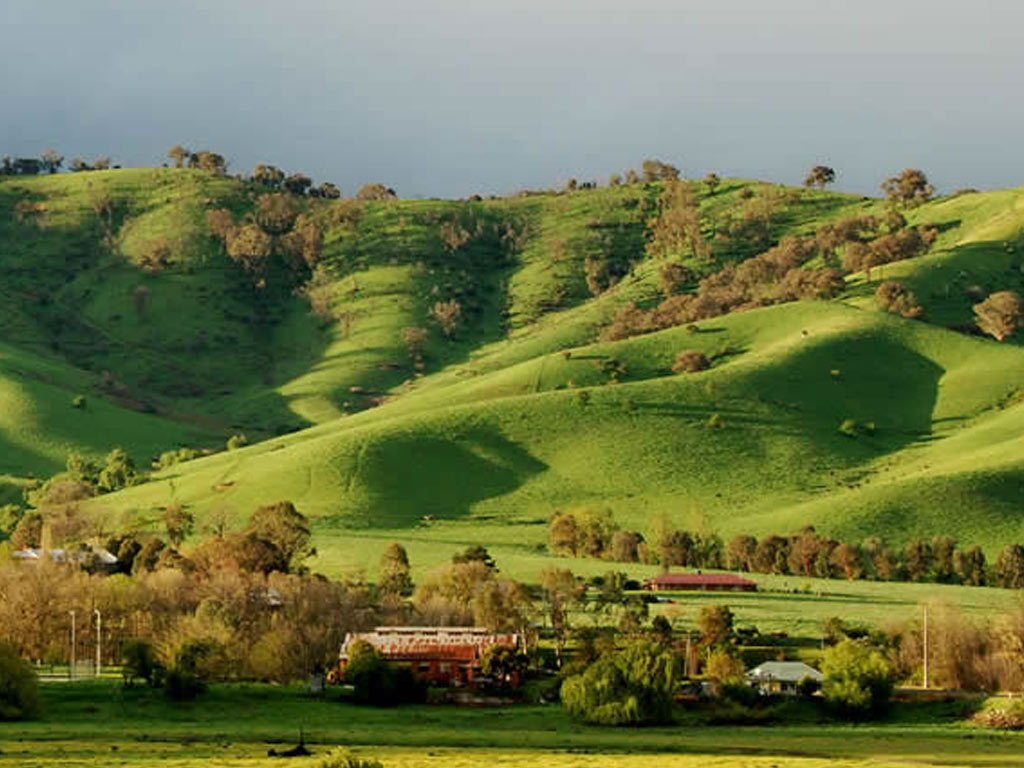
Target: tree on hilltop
x=51, y=160
x=375, y=191
x=820, y=176
x=268, y=176
x=656, y=170
x=178, y=155
x=910, y=188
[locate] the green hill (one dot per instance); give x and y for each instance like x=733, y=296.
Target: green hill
x=517, y=415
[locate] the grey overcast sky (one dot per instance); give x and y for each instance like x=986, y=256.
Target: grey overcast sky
x=451, y=97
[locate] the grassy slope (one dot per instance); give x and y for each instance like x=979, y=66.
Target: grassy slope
x=494, y=438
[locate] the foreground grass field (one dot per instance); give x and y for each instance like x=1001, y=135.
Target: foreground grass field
x=99, y=725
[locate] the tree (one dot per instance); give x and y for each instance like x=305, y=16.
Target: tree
x=848, y=558
x=101, y=163
x=251, y=247
x=10, y=516
x=139, y=661
x=177, y=154
x=691, y=361
x=897, y=299
x=910, y=188
x=655, y=170
x=375, y=191
x=474, y=554
x=563, y=534
x=118, y=472
x=675, y=547
x=772, y=555
x=298, y=183
x=820, y=176
x=625, y=546
x=286, y=528
x=633, y=686
x=1000, y=315
x=970, y=566
x=377, y=683
x=739, y=553
x=943, y=559
x=221, y=224
x=268, y=176
x=394, y=571
x=715, y=624
x=711, y=181
x=211, y=162
x=504, y=665
x=51, y=160
x=179, y=523
x=1009, y=567
x=447, y=314
x=414, y=337
x=724, y=666
x=19, y=699
x=276, y=213
x=328, y=191
x=858, y=679
x=917, y=556
x=502, y=605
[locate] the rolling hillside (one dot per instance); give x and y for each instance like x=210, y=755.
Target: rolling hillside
x=517, y=415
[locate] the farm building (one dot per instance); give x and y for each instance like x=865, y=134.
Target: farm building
x=700, y=582
x=782, y=676
x=449, y=656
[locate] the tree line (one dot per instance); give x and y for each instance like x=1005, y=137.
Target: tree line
x=594, y=533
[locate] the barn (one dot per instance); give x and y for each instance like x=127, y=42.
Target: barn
x=444, y=656
x=700, y=582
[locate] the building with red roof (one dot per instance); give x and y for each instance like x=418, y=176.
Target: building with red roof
x=700, y=582
x=440, y=655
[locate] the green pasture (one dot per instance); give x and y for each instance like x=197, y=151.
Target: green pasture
x=513, y=418
x=88, y=724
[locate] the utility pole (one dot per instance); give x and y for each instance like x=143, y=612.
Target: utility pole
x=71, y=670
x=99, y=638
x=926, y=645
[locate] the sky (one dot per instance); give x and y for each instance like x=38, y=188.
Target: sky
x=447, y=98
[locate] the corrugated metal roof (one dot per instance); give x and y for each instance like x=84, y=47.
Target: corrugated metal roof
x=697, y=579
x=784, y=671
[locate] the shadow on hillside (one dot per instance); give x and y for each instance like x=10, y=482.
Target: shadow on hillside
x=950, y=285
x=412, y=476
x=869, y=378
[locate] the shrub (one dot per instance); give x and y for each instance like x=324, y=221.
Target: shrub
x=378, y=683
x=237, y=441
x=691, y=361
x=629, y=687
x=1010, y=718
x=849, y=428
x=19, y=699
x=139, y=661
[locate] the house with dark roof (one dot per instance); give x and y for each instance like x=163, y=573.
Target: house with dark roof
x=445, y=656
x=700, y=582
